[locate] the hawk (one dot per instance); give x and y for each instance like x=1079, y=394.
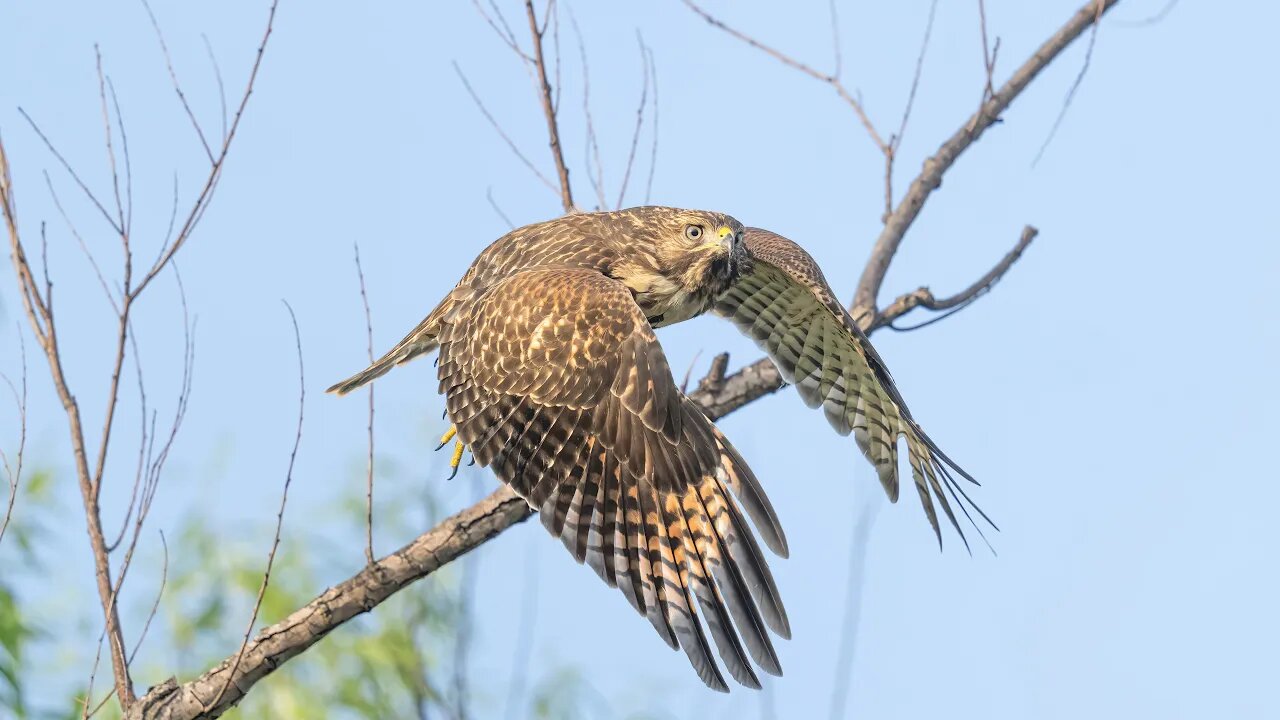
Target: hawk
x=553, y=377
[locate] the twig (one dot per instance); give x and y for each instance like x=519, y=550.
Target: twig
x=592, y=150
x=164, y=578
x=70, y=171
x=128, y=166
x=177, y=86
x=832, y=80
x=13, y=472
x=923, y=297
x=1158, y=17
x=936, y=166
x=836, y=49
x=524, y=635
x=653, y=150
x=488, y=194
x=84, y=248
x=501, y=133
x=549, y=111
x=111, y=151
x=504, y=32
x=368, y=326
x=465, y=622
x=284, y=499
x=988, y=55
x=155, y=607
x=215, y=172
x=635, y=137
x=217, y=76
x=145, y=440
x=858, y=544
x=688, y=372
x=1075, y=85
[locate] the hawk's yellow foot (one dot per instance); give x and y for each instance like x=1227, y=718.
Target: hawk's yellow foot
x=458, y=450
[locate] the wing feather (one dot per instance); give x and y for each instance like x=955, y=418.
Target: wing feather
x=785, y=305
x=555, y=380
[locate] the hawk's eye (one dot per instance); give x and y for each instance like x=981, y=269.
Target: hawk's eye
x=693, y=232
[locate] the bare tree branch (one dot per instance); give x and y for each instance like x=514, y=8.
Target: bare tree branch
x=38, y=305
x=523, y=648
x=923, y=297
x=177, y=86
x=493, y=203
x=284, y=500
x=276, y=644
x=635, y=137
x=368, y=327
x=895, y=140
x=215, y=172
x=833, y=80
x=653, y=148
x=988, y=53
x=13, y=471
x=592, y=150
x=858, y=544
x=1075, y=85
x=549, y=110
x=936, y=166
x=502, y=133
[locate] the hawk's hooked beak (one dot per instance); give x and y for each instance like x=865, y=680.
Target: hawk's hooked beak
x=724, y=240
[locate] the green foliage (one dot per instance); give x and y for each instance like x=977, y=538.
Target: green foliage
x=397, y=661
x=16, y=631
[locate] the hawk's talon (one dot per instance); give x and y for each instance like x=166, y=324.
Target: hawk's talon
x=456, y=460
x=453, y=431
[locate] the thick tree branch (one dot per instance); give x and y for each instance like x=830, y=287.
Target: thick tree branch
x=276, y=644
x=864, y=301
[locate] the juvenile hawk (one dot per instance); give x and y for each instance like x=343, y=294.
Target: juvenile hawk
x=553, y=377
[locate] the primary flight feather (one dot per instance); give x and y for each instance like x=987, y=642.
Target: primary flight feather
x=553, y=377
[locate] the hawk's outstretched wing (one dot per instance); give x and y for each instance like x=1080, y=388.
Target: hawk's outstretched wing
x=554, y=379
x=787, y=307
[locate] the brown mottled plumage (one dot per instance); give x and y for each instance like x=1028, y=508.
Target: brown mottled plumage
x=554, y=378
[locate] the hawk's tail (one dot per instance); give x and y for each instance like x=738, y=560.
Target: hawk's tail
x=408, y=349
x=420, y=341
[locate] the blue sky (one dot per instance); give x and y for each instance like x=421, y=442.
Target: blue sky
x=1114, y=393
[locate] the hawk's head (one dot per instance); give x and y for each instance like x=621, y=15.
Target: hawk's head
x=697, y=251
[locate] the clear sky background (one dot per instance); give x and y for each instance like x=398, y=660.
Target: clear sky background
x=1116, y=393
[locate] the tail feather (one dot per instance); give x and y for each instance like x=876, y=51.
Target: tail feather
x=408, y=349
x=421, y=340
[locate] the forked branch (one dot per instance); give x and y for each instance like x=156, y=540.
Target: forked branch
x=930, y=178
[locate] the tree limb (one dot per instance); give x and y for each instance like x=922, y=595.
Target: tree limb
x=923, y=296
x=549, y=110
x=864, y=301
